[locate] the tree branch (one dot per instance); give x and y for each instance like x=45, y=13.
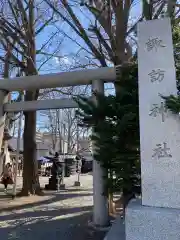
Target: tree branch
x=103, y=41
x=43, y=26
x=78, y=28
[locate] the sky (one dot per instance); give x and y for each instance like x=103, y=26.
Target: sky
x=67, y=49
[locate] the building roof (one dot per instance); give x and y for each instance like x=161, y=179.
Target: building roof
x=40, y=145
x=84, y=145
x=51, y=135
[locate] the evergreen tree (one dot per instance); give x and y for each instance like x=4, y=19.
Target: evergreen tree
x=173, y=102
x=115, y=121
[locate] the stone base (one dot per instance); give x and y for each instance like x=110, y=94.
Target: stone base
x=77, y=184
x=117, y=230
x=151, y=223
x=62, y=187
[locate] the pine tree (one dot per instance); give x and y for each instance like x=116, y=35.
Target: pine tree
x=115, y=120
x=173, y=102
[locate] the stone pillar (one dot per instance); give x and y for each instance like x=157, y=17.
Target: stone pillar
x=157, y=217
x=77, y=183
x=100, y=212
x=3, y=99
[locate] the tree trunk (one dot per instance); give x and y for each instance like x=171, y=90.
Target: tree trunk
x=31, y=183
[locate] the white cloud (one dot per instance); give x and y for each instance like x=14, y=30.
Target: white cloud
x=56, y=59
x=62, y=60
x=66, y=60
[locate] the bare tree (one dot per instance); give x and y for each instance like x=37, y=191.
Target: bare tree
x=22, y=22
x=62, y=126
x=62, y=123
x=106, y=32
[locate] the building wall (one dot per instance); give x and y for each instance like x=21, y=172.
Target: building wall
x=48, y=138
x=84, y=144
x=42, y=153
x=64, y=149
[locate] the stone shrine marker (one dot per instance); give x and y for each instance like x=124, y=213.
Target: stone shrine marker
x=159, y=128
x=158, y=217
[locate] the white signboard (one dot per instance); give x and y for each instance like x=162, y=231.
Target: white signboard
x=159, y=128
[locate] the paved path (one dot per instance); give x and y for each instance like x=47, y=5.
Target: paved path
x=64, y=215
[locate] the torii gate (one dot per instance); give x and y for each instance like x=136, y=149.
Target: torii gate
x=96, y=77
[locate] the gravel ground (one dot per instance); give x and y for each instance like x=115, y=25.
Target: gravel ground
x=63, y=216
